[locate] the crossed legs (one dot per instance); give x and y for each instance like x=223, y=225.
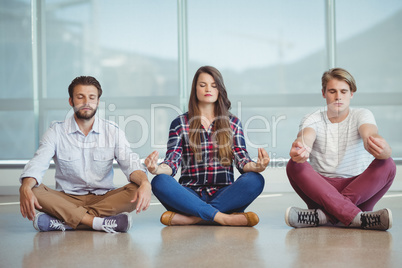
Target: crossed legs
x=77, y=210
x=191, y=208
x=341, y=199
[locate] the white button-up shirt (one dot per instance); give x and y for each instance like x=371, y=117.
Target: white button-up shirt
x=84, y=164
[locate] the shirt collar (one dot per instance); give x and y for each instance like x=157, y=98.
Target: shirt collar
x=73, y=126
x=95, y=126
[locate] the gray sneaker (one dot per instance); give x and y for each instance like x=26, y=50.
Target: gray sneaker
x=376, y=220
x=44, y=223
x=119, y=223
x=298, y=217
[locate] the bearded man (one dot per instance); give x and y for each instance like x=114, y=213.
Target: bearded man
x=83, y=148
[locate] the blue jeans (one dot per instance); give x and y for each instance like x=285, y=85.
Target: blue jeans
x=233, y=198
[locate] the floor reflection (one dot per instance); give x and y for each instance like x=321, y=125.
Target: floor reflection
x=79, y=248
x=210, y=246
x=339, y=246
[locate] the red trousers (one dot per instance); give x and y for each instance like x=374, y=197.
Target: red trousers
x=342, y=199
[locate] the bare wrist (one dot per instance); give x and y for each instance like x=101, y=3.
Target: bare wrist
x=28, y=182
x=156, y=170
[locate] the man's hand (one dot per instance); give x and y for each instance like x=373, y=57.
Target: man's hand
x=373, y=142
x=142, y=197
x=378, y=147
x=261, y=164
x=299, y=153
x=144, y=192
x=28, y=201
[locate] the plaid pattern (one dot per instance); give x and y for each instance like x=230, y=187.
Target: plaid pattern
x=208, y=174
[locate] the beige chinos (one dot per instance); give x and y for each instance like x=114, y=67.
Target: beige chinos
x=72, y=208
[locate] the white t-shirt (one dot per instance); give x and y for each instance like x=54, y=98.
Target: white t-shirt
x=338, y=151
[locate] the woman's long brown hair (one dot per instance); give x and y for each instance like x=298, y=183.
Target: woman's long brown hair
x=222, y=133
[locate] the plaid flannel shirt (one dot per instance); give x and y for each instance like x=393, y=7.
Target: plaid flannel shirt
x=208, y=174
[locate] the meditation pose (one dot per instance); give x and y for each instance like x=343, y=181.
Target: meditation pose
x=350, y=165
x=204, y=143
x=83, y=148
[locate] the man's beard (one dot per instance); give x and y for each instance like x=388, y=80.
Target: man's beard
x=86, y=115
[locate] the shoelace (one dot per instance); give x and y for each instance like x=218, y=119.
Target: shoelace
x=308, y=217
x=369, y=220
x=58, y=225
x=109, y=225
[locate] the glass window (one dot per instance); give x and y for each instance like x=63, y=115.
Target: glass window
x=146, y=129
x=129, y=46
x=16, y=112
x=273, y=129
x=368, y=45
x=261, y=47
x=17, y=141
x=15, y=50
x=271, y=55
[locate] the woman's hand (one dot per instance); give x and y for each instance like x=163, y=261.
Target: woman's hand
x=151, y=162
x=261, y=164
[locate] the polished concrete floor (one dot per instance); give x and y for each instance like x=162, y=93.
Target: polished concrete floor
x=150, y=244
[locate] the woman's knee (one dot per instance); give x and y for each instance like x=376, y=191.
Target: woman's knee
x=254, y=181
x=259, y=180
x=160, y=182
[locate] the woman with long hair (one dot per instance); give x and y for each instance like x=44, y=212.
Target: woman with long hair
x=204, y=143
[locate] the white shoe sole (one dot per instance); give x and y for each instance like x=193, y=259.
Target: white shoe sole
x=287, y=216
x=389, y=218
x=35, y=222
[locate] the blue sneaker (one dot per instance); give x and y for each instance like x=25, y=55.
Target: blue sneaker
x=115, y=224
x=45, y=223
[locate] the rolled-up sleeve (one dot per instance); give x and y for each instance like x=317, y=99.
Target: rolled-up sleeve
x=39, y=164
x=174, y=146
x=241, y=157
x=125, y=157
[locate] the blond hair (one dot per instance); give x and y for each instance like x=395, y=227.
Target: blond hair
x=339, y=74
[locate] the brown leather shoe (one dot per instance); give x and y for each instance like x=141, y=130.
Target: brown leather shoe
x=252, y=218
x=167, y=217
